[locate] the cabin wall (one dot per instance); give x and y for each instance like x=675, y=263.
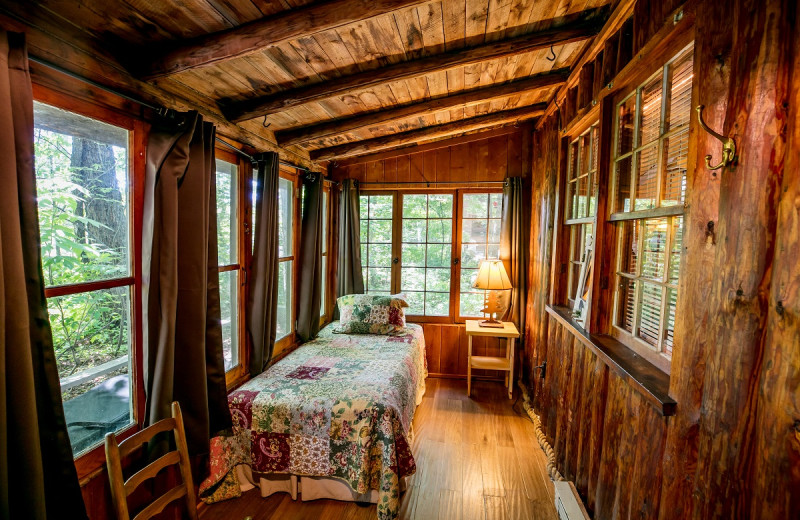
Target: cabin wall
x=469, y=161
x=732, y=449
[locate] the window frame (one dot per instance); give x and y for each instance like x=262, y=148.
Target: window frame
x=89, y=461
x=242, y=228
x=284, y=344
x=457, y=248
x=325, y=311
x=617, y=219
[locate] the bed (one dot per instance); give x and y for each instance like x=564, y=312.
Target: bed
x=335, y=413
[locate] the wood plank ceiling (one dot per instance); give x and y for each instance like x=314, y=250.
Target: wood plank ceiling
x=377, y=69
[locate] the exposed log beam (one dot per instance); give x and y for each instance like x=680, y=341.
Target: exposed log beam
x=622, y=12
x=267, y=32
x=463, y=99
x=427, y=133
x=584, y=28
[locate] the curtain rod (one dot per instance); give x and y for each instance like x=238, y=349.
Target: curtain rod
x=142, y=103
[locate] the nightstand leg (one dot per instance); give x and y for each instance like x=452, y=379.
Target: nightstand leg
x=511, y=367
x=469, y=366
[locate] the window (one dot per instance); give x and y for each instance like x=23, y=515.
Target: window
x=324, y=260
x=375, y=213
x=580, y=210
x=650, y=161
x=426, y=259
x=231, y=275
x=84, y=193
x=286, y=209
x=480, y=239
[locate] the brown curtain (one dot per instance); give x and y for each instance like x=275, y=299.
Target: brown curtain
x=262, y=304
x=349, y=278
x=37, y=473
x=308, y=300
x=182, y=332
x=514, y=248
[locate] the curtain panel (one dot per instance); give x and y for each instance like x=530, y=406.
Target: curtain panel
x=262, y=302
x=183, y=358
x=37, y=473
x=514, y=248
x=349, y=277
x=310, y=265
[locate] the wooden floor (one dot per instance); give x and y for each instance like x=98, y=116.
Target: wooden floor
x=476, y=459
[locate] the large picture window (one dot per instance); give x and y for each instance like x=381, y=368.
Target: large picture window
x=650, y=157
x=84, y=194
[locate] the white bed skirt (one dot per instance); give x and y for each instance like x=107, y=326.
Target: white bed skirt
x=308, y=488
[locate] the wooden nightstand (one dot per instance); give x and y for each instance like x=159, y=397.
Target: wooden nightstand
x=510, y=332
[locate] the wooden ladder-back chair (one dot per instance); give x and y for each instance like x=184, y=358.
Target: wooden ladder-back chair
x=121, y=488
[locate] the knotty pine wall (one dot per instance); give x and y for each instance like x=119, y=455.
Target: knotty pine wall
x=490, y=156
x=732, y=449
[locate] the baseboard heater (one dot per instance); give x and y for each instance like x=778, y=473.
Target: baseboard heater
x=568, y=503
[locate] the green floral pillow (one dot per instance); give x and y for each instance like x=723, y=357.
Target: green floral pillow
x=371, y=314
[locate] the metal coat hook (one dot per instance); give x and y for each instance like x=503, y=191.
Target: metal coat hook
x=264, y=123
x=553, y=53
x=728, y=144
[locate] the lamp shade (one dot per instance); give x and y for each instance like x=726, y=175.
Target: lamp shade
x=492, y=276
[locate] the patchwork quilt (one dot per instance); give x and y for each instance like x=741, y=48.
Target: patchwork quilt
x=339, y=406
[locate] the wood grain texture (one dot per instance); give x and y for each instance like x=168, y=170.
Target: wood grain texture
x=476, y=458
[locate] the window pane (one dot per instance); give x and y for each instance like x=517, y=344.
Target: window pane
x=226, y=212
x=625, y=114
x=627, y=302
x=494, y=231
x=676, y=150
x=380, y=206
x=623, y=176
x=379, y=255
x=284, y=326
x=437, y=280
x=285, y=216
x=630, y=246
x=379, y=278
x=414, y=230
x=376, y=242
x=83, y=196
x=653, y=254
x=414, y=255
x=471, y=304
x=468, y=277
x=380, y=231
x=438, y=255
x=437, y=304
x=440, y=231
x=473, y=231
x=472, y=254
x=416, y=303
x=650, y=313
x=495, y=205
x=440, y=206
x=229, y=306
x=91, y=336
x=325, y=195
x=415, y=206
x=324, y=278
x=413, y=279
x=680, y=108
x=675, y=253
x=476, y=205
x=650, y=118
x=669, y=333
x=646, y=178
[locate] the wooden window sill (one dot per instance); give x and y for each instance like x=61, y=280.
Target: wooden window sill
x=643, y=376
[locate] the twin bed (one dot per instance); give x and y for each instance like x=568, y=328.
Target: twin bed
x=331, y=420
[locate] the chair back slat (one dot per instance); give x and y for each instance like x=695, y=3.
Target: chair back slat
x=151, y=470
x=121, y=489
x=135, y=441
x=160, y=503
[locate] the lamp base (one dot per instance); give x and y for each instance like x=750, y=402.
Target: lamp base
x=492, y=323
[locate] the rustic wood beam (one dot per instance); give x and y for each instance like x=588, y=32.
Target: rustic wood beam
x=622, y=12
x=427, y=133
x=267, y=32
x=462, y=99
x=584, y=28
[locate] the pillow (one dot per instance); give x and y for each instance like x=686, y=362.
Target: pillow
x=371, y=314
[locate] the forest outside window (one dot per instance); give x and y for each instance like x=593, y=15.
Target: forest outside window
x=286, y=213
x=231, y=267
x=84, y=199
x=650, y=162
x=376, y=211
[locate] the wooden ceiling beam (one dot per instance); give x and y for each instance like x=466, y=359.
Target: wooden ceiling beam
x=586, y=25
x=427, y=133
x=391, y=115
x=265, y=33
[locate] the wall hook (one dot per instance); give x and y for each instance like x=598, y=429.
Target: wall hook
x=728, y=144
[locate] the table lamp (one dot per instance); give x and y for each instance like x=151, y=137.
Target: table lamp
x=492, y=277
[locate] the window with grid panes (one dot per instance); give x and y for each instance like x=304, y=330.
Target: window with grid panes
x=480, y=239
x=426, y=253
x=581, y=201
x=650, y=162
x=375, y=213
x=286, y=210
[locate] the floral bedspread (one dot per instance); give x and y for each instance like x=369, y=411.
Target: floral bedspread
x=339, y=406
